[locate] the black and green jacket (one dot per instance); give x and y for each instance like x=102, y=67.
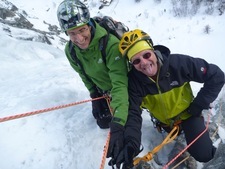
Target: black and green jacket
x=170, y=95
x=110, y=76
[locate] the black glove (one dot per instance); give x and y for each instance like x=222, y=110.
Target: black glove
x=116, y=140
x=195, y=110
x=125, y=156
x=101, y=111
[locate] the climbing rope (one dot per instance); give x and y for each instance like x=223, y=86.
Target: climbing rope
x=220, y=117
x=186, y=158
x=3, y=119
x=105, y=150
x=169, y=163
x=169, y=138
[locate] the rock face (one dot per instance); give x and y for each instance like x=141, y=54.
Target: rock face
x=184, y=161
x=18, y=21
x=218, y=161
x=9, y=14
x=12, y=16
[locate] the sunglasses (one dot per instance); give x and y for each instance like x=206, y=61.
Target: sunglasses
x=145, y=56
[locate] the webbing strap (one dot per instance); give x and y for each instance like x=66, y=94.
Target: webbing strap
x=169, y=138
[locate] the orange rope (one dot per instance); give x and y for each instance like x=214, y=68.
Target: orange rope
x=3, y=119
x=64, y=106
x=105, y=150
x=167, y=165
x=169, y=138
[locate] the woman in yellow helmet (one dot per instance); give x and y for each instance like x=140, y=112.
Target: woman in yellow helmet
x=160, y=82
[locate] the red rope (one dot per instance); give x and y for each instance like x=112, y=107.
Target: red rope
x=169, y=163
x=3, y=119
x=105, y=150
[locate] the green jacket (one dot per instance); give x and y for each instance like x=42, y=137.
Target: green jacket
x=110, y=77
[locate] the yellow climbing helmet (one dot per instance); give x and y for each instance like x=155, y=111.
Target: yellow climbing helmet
x=132, y=37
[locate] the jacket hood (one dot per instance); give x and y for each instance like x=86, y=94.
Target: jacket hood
x=162, y=53
x=162, y=49
x=99, y=32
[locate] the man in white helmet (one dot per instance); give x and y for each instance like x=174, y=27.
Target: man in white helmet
x=110, y=77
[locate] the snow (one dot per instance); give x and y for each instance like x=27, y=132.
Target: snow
x=37, y=76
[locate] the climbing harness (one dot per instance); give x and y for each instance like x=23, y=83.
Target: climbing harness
x=160, y=126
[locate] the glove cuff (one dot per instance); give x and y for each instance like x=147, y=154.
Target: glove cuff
x=94, y=95
x=195, y=109
x=114, y=127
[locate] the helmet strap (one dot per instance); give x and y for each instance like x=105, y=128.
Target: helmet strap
x=159, y=57
x=92, y=25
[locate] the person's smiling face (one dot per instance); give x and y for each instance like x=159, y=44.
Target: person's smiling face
x=80, y=36
x=145, y=62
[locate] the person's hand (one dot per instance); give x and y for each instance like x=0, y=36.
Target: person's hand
x=104, y=115
x=96, y=108
x=116, y=140
x=195, y=110
x=125, y=157
x=101, y=111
